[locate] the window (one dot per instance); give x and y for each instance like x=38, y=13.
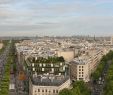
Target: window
x=82, y=72
x=42, y=90
x=49, y=91
x=38, y=90
x=56, y=91
x=79, y=75
x=46, y=90
x=79, y=66
x=82, y=69
x=79, y=69
x=79, y=72
x=53, y=91
x=82, y=66
x=80, y=78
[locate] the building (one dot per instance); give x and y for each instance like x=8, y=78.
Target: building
x=82, y=66
x=47, y=90
x=47, y=76
x=111, y=40
x=1, y=45
x=67, y=54
x=79, y=70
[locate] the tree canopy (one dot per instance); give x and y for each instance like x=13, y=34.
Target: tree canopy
x=79, y=88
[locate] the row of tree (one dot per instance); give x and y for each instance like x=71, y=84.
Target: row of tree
x=4, y=86
x=97, y=73
x=108, y=89
x=78, y=88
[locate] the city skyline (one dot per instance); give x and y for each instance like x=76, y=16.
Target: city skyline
x=57, y=18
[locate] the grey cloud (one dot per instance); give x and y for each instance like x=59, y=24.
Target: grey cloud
x=6, y=1
x=91, y=25
x=53, y=19
x=36, y=11
x=74, y=25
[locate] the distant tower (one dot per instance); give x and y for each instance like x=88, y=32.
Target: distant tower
x=112, y=40
x=94, y=38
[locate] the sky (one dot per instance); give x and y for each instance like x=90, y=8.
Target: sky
x=56, y=17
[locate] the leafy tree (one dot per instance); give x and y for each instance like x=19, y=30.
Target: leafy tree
x=65, y=92
x=79, y=88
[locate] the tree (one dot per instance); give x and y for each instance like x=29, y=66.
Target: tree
x=76, y=91
x=79, y=88
x=65, y=92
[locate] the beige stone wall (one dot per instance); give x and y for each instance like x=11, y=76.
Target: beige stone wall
x=1, y=45
x=48, y=90
x=83, y=72
x=68, y=55
x=95, y=61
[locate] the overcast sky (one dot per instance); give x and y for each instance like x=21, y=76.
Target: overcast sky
x=56, y=17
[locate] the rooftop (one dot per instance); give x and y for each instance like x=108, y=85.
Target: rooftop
x=49, y=81
x=46, y=60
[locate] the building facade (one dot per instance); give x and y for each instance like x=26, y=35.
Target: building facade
x=47, y=90
x=47, y=76
x=82, y=67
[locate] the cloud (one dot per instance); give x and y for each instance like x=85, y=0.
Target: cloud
x=70, y=26
x=104, y=1
x=55, y=17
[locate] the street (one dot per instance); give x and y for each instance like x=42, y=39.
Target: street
x=3, y=61
x=99, y=85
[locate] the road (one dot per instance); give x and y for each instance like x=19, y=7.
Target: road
x=3, y=61
x=99, y=85
x=12, y=82
x=19, y=85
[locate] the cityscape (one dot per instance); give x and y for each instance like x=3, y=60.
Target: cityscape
x=56, y=66
x=56, y=47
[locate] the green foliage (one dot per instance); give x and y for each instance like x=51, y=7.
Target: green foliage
x=4, y=86
x=4, y=83
x=79, y=88
x=108, y=89
x=65, y=92
x=95, y=75
x=47, y=60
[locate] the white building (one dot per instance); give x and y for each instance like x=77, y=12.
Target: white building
x=82, y=67
x=47, y=90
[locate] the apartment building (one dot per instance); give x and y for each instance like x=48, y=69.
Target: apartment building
x=48, y=90
x=82, y=66
x=48, y=76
